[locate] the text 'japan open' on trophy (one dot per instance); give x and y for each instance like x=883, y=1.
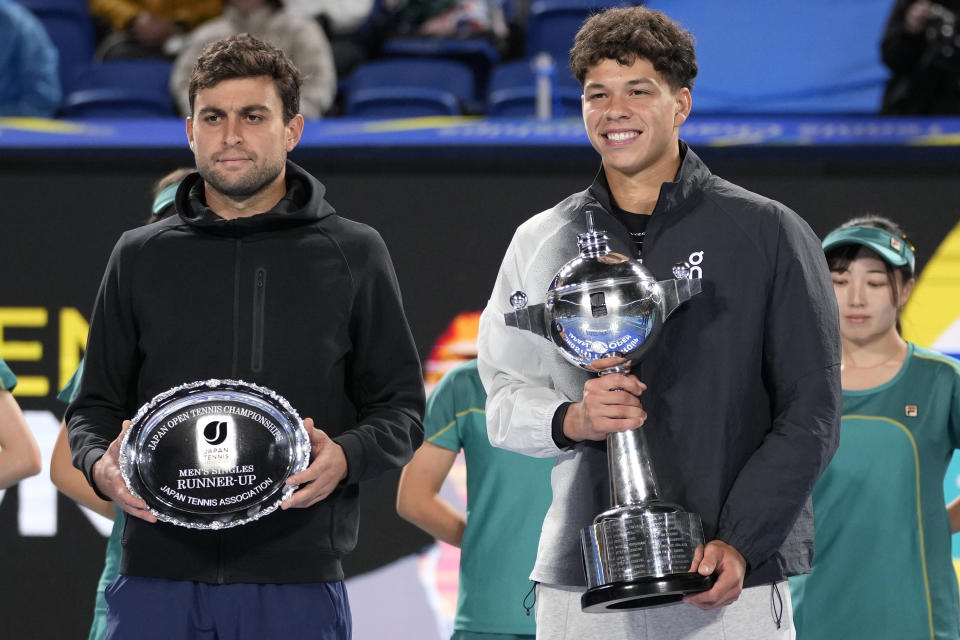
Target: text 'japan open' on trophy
x=642, y=551
x=214, y=454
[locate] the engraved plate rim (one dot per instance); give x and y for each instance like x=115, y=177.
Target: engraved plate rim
x=300, y=450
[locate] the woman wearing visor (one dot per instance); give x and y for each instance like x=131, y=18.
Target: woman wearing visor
x=882, y=567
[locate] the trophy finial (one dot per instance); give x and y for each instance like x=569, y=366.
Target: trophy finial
x=592, y=243
x=518, y=300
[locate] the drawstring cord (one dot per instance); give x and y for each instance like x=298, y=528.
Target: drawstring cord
x=776, y=603
x=529, y=607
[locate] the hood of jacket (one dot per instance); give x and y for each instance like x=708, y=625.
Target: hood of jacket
x=303, y=203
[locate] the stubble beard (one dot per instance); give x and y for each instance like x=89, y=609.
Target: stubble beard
x=247, y=186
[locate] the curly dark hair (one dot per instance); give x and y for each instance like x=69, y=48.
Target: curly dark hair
x=243, y=56
x=636, y=32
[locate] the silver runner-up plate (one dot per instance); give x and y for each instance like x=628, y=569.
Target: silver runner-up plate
x=214, y=454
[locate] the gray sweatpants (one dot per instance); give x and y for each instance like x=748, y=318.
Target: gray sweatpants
x=752, y=617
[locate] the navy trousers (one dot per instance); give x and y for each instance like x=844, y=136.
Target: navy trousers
x=153, y=609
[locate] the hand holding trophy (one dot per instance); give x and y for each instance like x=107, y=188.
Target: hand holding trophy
x=604, y=312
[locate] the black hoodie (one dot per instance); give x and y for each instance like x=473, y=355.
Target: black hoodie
x=297, y=299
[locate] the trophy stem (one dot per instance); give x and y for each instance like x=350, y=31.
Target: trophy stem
x=632, y=477
x=630, y=468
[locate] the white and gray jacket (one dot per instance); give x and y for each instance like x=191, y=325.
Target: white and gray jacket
x=743, y=396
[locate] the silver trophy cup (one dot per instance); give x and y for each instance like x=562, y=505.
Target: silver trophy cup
x=642, y=551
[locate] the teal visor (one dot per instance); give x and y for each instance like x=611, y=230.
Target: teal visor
x=164, y=198
x=892, y=249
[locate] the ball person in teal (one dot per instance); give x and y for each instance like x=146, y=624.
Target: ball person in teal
x=882, y=566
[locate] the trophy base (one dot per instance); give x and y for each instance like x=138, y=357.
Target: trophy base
x=645, y=592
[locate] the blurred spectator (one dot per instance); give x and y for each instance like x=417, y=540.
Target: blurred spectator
x=302, y=40
x=448, y=19
x=149, y=28
x=343, y=22
x=340, y=16
x=921, y=47
x=516, y=17
x=29, y=85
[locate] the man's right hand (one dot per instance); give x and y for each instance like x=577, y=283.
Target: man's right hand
x=109, y=480
x=611, y=403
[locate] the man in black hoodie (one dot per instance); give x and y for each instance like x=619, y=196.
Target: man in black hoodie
x=256, y=278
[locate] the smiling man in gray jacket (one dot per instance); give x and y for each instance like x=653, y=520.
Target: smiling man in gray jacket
x=740, y=399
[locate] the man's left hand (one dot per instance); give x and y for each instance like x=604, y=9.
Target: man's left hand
x=730, y=566
x=326, y=470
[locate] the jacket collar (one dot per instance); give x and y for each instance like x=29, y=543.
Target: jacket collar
x=693, y=173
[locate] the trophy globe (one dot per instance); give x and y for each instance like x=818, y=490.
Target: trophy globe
x=642, y=551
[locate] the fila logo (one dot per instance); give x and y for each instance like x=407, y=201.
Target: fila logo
x=910, y=410
x=895, y=243
x=215, y=432
x=690, y=268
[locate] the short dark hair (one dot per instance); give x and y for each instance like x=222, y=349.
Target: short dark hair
x=839, y=258
x=243, y=56
x=636, y=32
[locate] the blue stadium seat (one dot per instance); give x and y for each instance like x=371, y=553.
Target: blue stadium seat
x=145, y=74
x=113, y=102
x=401, y=102
x=70, y=27
x=121, y=89
x=477, y=53
x=513, y=93
x=406, y=87
x=61, y=5
x=552, y=24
